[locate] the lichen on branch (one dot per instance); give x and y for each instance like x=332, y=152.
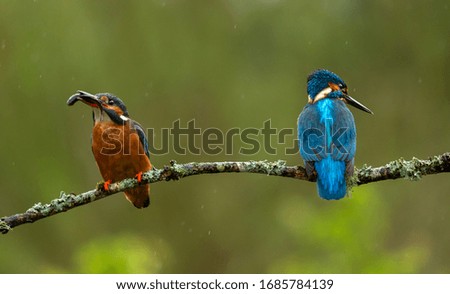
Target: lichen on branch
x=412, y=169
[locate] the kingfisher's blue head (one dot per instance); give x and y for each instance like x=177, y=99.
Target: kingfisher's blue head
x=323, y=84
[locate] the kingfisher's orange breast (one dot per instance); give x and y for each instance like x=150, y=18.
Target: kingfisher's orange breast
x=119, y=154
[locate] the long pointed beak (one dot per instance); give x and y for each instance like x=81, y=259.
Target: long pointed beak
x=356, y=104
x=85, y=97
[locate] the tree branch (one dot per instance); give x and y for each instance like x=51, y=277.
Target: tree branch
x=412, y=169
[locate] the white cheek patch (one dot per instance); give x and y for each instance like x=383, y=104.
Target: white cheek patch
x=322, y=94
x=124, y=118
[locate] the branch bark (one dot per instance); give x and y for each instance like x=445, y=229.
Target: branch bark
x=412, y=169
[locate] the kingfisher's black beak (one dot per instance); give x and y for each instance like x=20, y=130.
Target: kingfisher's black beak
x=85, y=97
x=356, y=104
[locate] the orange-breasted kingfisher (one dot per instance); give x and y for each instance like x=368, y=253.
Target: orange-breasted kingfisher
x=119, y=144
x=327, y=133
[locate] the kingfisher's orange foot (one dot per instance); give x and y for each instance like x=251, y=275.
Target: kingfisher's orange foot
x=103, y=185
x=139, y=177
x=106, y=185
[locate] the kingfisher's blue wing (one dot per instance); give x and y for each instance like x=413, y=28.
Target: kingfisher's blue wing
x=309, y=130
x=330, y=133
x=142, y=136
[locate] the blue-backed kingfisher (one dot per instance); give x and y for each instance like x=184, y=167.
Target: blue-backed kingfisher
x=119, y=144
x=327, y=133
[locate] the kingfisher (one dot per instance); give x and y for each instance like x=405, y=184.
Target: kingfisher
x=119, y=144
x=327, y=133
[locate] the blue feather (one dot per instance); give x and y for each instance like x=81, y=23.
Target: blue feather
x=331, y=181
x=142, y=136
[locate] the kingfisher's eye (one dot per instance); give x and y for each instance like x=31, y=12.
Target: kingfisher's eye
x=111, y=102
x=340, y=86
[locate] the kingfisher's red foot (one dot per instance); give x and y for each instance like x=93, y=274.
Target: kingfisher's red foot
x=103, y=185
x=106, y=185
x=139, y=177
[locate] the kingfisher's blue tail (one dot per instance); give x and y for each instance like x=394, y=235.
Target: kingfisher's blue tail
x=331, y=178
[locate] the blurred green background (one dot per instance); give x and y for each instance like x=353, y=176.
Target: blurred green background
x=225, y=64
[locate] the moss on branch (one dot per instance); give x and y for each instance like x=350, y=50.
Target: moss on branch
x=413, y=169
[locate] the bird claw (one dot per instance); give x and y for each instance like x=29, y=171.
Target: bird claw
x=103, y=186
x=138, y=177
